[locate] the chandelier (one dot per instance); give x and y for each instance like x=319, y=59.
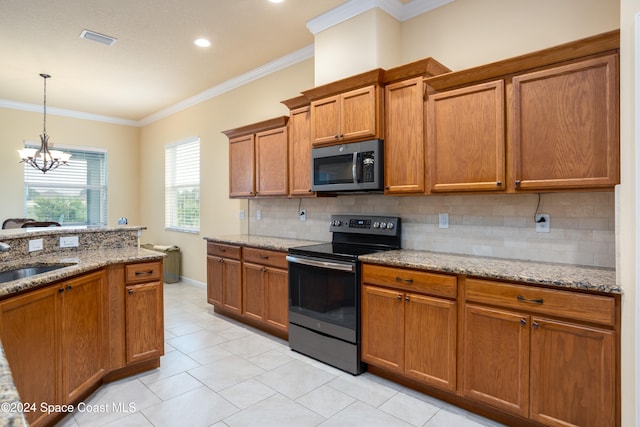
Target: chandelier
x=43, y=158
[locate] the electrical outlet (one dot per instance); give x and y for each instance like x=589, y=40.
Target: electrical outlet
x=443, y=220
x=35, y=245
x=69, y=241
x=303, y=214
x=258, y=214
x=241, y=214
x=543, y=223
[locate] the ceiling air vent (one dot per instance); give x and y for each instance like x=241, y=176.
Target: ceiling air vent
x=97, y=37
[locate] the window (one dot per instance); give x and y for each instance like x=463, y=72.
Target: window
x=72, y=194
x=182, y=186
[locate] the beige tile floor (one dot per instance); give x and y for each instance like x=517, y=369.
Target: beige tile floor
x=217, y=372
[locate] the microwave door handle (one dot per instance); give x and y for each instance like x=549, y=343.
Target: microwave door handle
x=354, y=168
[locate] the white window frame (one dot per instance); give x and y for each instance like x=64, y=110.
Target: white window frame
x=189, y=167
x=44, y=181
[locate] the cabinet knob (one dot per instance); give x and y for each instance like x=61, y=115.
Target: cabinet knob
x=61, y=290
x=399, y=297
x=523, y=321
x=499, y=184
x=407, y=299
x=535, y=325
x=68, y=288
x=517, y=183
x=131, y=291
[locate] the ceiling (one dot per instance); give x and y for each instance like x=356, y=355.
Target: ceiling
x=154, y=66
x=154, y=63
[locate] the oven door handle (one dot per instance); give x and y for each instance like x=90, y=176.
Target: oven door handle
x=322, y=264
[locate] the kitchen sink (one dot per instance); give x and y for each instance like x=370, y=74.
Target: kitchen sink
x=28, y=271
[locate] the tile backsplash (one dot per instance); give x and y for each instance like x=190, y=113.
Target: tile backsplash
x=582, y=227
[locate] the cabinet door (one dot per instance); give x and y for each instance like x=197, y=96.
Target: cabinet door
x=215, y=277
x=28, y=330
x=242, y=166
x=496, y=358
x=325, y=120
x=466, y=138
x=253, y=291
x=144, y=330
x=272, y=177
x=430, y=337
x=277, y=298
x=358, y=114
x=83, y=335
x=565, y=126
x=572, y=374
x=383, y=328
x=300, y=152
x=232, y=285
x=404, y=141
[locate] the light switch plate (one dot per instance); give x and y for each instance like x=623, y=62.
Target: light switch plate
x=241, y=214
x=69, y=241
x=443, y=220
x=258, y=214
x=35, y=245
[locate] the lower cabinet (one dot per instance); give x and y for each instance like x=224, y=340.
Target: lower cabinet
x=555, y=372
x=224, y=273
x=55, y=342
x=407, y=325
x=265, y=288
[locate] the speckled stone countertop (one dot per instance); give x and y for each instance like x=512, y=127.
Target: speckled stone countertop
x=535, y=273
x=80, y=261
x=261, y=242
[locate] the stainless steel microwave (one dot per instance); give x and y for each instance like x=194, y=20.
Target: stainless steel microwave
x=353, y=166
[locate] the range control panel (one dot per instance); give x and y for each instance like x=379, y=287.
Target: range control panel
x=364, y=224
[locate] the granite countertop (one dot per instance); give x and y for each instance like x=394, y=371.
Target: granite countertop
x=595, y=279
x=531, y=272
x=83, y=261
x=15, y=233
x=261, y=242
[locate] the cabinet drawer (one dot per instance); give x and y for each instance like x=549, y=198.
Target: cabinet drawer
x=568, y=304
x=224, y=251
x=143, y=272
x=265, y=257
x=410, y=280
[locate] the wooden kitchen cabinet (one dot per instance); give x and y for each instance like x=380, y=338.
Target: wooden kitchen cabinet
x=265, y=288
x=299, y=146
x=554, y=371
x=29, y=326
x=565, y=126
x=272, y=171
x=404, y=156
x=258, y=159
x=144, y=314
x=224, y=277
x=407, y=327
x=55, y=342
x=242, y=166
x=466, y=138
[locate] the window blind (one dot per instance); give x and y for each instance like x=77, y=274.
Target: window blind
x=72, y=194
x=182, y=186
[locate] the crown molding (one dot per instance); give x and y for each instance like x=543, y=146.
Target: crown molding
x=395, y=8
x=5, y=103
x=234, y=83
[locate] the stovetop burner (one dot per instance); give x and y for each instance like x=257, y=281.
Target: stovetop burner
x=354, y=236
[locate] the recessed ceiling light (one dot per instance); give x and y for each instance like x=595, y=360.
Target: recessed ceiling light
x=202, y=42
x=276, y=1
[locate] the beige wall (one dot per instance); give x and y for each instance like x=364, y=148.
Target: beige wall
x=121, y=143
x=628, y=193
x=257, y=101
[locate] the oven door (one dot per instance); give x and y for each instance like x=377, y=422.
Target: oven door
x=324, y=296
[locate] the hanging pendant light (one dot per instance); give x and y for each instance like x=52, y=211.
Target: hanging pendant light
x=43, y=158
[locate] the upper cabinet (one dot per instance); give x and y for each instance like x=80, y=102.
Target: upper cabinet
x=548, y=121
x=347, y=110
x=299, y=146
x=404, y=152
x=258, y=159
x=565, y=128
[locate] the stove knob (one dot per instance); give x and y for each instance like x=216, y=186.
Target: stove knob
x=383, y=225
x=376, y=224
x=389, y=225
x=336, y=222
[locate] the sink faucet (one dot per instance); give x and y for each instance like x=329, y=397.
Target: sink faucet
x=4, y=247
